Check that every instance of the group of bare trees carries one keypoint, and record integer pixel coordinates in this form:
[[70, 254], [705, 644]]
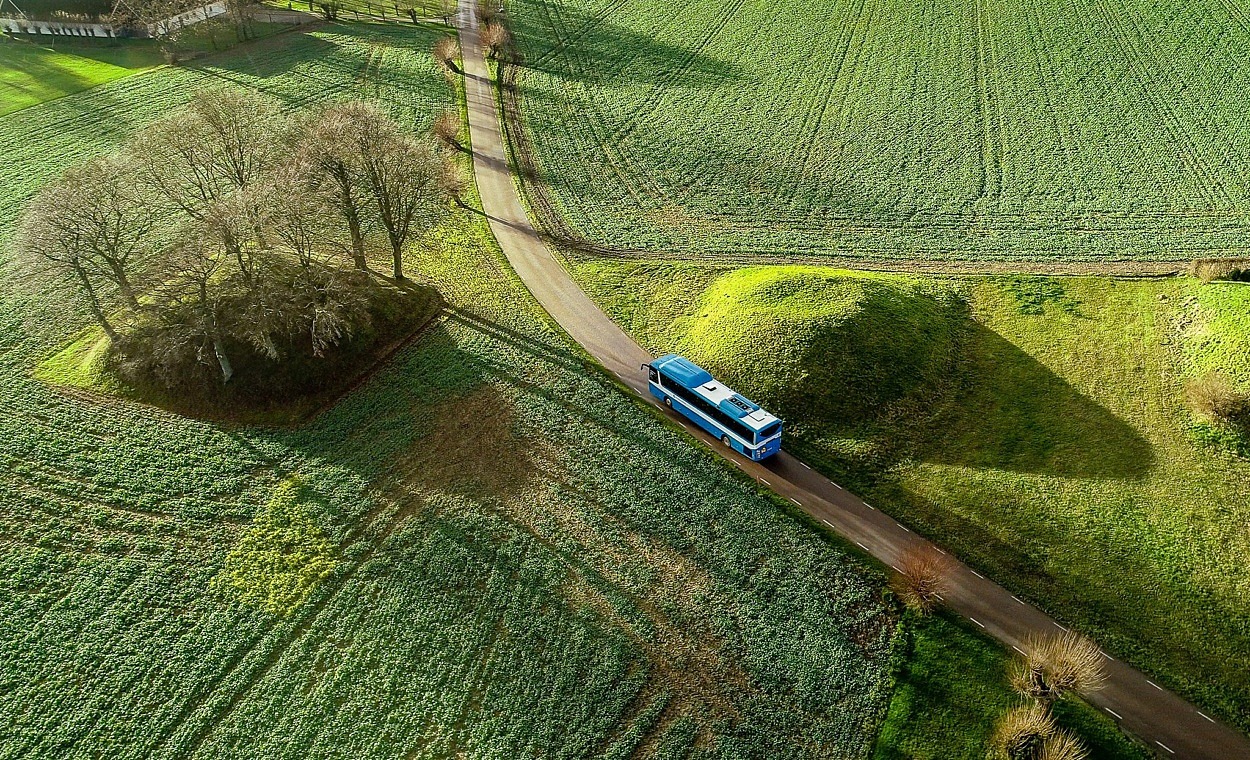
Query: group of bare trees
[[1051, 666], [224, 228]]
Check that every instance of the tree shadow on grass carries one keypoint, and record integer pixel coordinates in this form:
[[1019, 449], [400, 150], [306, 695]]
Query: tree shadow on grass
[[617, 53], [1013, 413]]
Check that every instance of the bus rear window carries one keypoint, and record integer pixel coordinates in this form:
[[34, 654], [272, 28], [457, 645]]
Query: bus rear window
[[769, 431]]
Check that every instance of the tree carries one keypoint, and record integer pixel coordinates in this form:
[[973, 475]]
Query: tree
[[1021, 731], [92, 225], [406, 178], [224, 141], [1029, 732], [447, 128], [446, 51], [329, 144], [329, 9], [922, 576], [1055, 665], [496, 38]]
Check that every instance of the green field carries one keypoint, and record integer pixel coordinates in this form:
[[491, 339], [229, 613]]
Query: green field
[[953, 690], [890, 129], [488, 551], [1042, 435], [31, 74]]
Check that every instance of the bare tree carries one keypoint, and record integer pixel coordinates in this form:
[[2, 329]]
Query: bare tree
[[446, 127], [92, 226], [446, 51], [193, 267], [406, 178], [222, 142], [922, 576], [496, 38], [331, 143], [1055, 665]]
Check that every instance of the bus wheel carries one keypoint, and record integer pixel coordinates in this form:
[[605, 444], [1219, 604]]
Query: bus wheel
[[725, 440], [668, 402]]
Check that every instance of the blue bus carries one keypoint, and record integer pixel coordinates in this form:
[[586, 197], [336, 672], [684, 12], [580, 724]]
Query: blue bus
[[738, 422]]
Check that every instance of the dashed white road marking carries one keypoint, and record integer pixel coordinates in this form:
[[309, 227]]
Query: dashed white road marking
[[1161, 744], [765, 482], [1013, 596], [978, 622], [866, 504], [1060, 627], [826, 522], [1208, 717], [835, 485], [940, 549], [974, 572], [1116, 714], [896, 568], [805, 465], [904, 527], [1018, 649], [796, 501], [1152, 683], [865, 548]]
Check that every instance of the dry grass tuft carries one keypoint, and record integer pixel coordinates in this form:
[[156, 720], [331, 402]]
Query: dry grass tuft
[[1215, 397], [446, 51]]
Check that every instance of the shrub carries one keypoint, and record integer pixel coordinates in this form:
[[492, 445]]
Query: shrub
[[496, 38], [1056, 665], [1215, 397], [447, 128], [922, 576], [446, 51], [1022, 732], [1208, 270]]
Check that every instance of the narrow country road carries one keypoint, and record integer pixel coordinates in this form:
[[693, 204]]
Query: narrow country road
[[1169, 724]]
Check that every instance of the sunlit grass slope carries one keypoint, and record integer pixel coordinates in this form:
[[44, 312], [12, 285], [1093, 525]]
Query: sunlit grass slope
[[31, 74], [1056, 452]]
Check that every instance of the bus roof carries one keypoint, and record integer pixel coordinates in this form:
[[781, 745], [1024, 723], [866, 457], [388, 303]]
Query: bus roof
[[701, 381]]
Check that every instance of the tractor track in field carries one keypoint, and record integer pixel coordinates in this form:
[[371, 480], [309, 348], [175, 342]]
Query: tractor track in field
[[1166, 722]]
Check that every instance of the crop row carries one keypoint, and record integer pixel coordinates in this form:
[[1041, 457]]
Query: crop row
[[1034, 128]]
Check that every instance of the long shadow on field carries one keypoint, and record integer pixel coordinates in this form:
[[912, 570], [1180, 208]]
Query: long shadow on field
[[1013, 413], [611, 53]]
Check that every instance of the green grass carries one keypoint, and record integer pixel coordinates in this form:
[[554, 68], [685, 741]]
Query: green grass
[[1057, 455], [35, 69], [953, 690], [31, 74], [890, 129], [491, 551]]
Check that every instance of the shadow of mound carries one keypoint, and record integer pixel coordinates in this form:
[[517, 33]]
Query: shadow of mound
[[1013, 413]]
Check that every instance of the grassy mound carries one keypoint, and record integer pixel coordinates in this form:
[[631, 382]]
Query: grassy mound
[[821, 346], [263, 390]]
